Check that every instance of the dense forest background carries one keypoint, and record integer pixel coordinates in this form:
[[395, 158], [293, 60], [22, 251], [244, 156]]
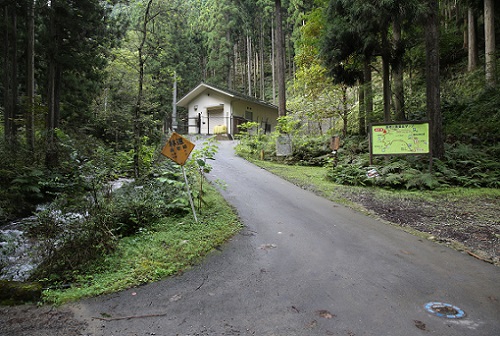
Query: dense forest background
[[88, 91], [89, 85]]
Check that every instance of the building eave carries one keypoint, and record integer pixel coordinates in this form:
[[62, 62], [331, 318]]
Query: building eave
[[184, 101]]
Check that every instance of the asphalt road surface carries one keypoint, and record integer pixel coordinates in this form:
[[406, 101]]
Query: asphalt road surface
[[306, 266]]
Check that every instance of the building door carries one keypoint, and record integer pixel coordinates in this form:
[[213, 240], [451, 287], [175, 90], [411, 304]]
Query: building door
[[215, 118]]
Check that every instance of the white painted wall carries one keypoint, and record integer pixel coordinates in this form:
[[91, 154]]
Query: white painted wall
[[211, 100], [204, 102]]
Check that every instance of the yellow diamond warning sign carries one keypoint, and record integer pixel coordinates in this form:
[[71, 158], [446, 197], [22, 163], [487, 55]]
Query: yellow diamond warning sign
[[178, 149]]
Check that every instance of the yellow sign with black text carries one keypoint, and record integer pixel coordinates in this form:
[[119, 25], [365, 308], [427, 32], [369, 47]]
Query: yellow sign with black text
[[178, 149]]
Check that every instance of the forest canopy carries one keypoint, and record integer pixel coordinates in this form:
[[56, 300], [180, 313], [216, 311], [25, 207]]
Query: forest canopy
[[93, 75]]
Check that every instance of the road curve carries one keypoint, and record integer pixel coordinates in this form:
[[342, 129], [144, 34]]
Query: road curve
[[306, 266]]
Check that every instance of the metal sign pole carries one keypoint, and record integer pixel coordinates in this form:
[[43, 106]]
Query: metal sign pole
[[178, 150], [189, 193]]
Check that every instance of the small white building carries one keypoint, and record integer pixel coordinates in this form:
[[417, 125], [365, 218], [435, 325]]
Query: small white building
[[211, 109]]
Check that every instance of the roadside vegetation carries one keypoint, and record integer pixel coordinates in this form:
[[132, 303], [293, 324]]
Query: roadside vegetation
[[167, 247], [102, 231]]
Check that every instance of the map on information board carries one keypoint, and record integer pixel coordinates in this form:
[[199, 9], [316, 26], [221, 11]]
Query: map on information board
[[400, 138]]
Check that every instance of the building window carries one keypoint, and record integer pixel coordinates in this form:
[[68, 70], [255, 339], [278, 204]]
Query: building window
[[249, 115]]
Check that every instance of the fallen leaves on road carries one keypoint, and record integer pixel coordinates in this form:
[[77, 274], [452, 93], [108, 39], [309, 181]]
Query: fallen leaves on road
[[325, 314], [419, 324], [267, 246]]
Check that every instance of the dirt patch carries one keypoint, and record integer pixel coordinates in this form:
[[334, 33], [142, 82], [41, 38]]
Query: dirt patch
[[471, 225], [30, 320]]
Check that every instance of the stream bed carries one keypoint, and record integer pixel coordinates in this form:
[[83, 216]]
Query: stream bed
[[19, 253]]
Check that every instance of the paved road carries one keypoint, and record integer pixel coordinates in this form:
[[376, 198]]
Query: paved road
[[306, 266]]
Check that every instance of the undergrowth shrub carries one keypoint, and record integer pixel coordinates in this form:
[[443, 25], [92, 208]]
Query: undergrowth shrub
[[310, 150], [471, 119], [463, 165], [72, 241], [353, 174], [252, 141], [468, 166]]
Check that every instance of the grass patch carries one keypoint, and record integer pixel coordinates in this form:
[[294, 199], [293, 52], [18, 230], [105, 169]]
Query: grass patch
[[314, 179], [167, 248]]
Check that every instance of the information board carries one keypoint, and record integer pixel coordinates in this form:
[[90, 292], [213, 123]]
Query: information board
[[178, 148], [400, 138]]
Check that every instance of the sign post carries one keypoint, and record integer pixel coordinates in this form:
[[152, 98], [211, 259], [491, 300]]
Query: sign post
[[189, 193], [178, 150], [334, 146]]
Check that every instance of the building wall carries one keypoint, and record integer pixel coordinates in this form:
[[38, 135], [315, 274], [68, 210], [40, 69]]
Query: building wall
[[223, 108], [256, 113], [204, 103]]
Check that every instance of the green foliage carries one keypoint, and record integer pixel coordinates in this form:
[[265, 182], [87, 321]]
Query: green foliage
[[287, 125], [137, 206], [398, 174], [348, 174], [402, 173], [199, 156], [28, 183], [252, 140], [168, 247], [467, 166], [310, 150], [198, 163], [463, 165], [74, 237], [307, 150], [471, 119]]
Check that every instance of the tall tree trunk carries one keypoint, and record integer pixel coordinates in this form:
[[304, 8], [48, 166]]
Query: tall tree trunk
[[397, 72], [229, 67], [6, 75], [432, 75], [249, 65], [273, 64], [235, 65], [255, 73], [10, 74], [173, 122], [280, 57], [137, 108], [471, 41], [30, 78], [14, 78], [345, 111], [386, 76], [262, 62], [386, 87], [367, 77], [53, 90], [362, 109], [489, 37]]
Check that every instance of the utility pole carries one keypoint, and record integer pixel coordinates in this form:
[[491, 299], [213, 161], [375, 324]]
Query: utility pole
[[174, 104]]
